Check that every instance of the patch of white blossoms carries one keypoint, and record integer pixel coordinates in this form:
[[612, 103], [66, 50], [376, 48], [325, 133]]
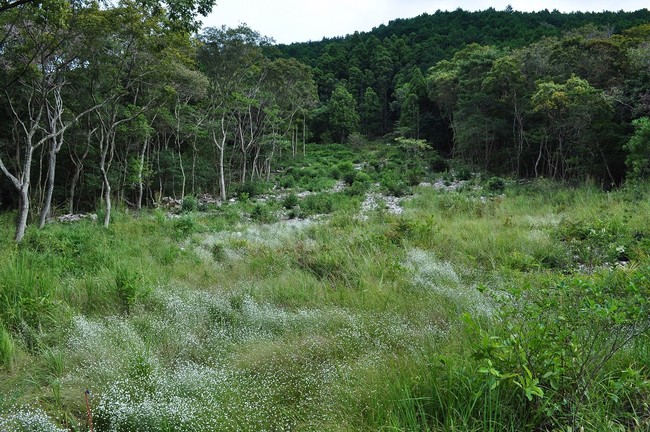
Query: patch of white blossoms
[[28, 420], [428, 272]]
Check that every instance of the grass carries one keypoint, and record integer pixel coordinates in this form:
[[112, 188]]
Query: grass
[[494, 307]]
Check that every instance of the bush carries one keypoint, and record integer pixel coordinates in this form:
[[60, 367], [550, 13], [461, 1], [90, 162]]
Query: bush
[[349, 177], [335, 173], [290, 201], [317, 204], [414, 177], [288, 182], [184, 226], [250, 188], [463, 173], [129, 287], [357, 189], [437, 163], [596, 242], [190, 204], [394, 185], [561, 363], [496, 185], [261, 213], [356, 140]]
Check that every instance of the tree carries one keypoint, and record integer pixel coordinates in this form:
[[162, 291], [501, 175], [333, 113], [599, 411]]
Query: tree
[[234, 63], [371, 112], [37, 65], [638, 149], [570, 109], [294, 91], [182, 13], [506, 84], [382, 67], [342, 113]]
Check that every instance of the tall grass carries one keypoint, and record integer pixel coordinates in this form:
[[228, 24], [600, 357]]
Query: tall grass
[[468, 312]]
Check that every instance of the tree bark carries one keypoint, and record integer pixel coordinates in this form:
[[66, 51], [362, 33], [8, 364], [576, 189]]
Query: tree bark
[[51, 173]]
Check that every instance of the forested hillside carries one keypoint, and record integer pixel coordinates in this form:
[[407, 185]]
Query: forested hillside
[[485, 87], [130, 104]]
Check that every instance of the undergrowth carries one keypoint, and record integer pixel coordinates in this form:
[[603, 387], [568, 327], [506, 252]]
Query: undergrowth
[[485, 305]]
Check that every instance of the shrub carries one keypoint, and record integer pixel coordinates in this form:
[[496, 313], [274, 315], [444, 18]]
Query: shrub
[[218, 252], [496, 185], [356, 140], [394, 185], [250, 188], [437, 163], [463, 173], [349, 177], [357, 189], [595, 242], [261, 213], [190, 204], [184, 226], [290, 201], [128, 287], [335, 173], [288, 182], [414, 177], [561, 362], [317, 204]]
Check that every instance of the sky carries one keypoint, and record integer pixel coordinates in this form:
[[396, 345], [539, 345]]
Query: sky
[[289, 21]]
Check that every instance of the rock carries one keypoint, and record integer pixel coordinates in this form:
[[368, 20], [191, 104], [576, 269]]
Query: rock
[[69, 218]]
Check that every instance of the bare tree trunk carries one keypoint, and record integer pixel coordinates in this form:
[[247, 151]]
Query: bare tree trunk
[[73, 187], [22, 186], [194, 156], [47, 205], [221, 146], [78, 163], [107, 198], [140, 176], [106, 143], [23, 212]]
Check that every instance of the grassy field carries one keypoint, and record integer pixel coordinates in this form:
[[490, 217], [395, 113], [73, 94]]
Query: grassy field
[[317, 304]]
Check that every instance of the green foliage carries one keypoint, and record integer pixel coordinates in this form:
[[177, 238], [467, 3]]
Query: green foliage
[[395, 185], [185, 226], [190, 204], [638, 149], [262, 213], [342, 114], [561, 363], [27, 297], [317, 204], [249, 189], [218, 252], [596, 241], [7, 348], [290, 201], [128, 287], [496, 185]]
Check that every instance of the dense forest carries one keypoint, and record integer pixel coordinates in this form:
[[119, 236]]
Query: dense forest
[[131, 103]]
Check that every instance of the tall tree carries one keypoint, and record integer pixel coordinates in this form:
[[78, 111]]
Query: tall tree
[[342, 113], [569, 109], [231, 59], [37, 61]]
